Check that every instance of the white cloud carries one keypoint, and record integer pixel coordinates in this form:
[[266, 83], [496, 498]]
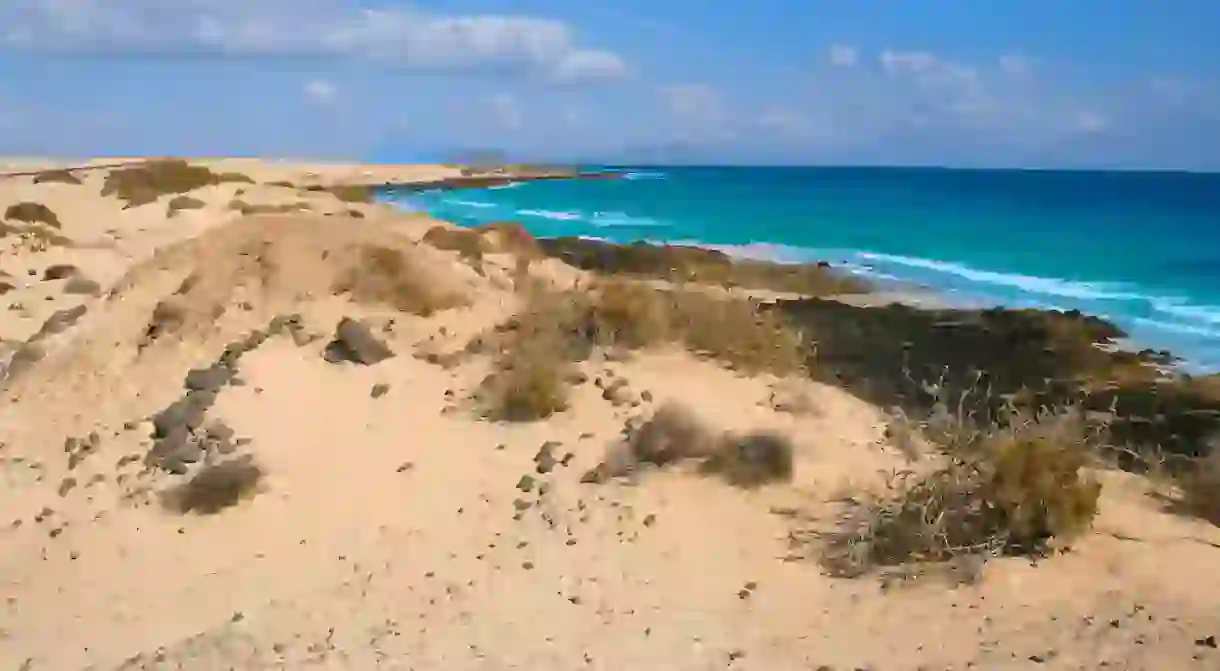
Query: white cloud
[[1015, 65], [843, 55], [1091, 122], [312, 28], [693, 102], [506, 110], [907, 62], [320, 91]]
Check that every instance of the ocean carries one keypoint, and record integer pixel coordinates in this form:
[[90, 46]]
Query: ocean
[[1141, 249]]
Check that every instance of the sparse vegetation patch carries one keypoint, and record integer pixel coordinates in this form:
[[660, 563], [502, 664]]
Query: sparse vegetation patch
[[1018, 487], [141, 184], [56, 177], [32, 213], [215, 487]]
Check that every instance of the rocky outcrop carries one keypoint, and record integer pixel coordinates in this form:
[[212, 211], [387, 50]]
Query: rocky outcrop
[[678, 263], [888, 355]]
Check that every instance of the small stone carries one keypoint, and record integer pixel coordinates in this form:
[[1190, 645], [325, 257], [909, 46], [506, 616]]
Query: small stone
[[650, 519], [545, 458], [59, 271], [379, 390], [354, 342], [404, 467], [528, 566], [1207, 642], [66, 486], [212, 377]]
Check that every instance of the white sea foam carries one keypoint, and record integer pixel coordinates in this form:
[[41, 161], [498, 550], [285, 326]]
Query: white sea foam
[[469, 203], [552, 214], [1029, 283], [622, 219], [637, 175]]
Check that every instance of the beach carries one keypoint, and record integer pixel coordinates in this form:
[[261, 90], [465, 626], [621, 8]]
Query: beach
[[252, 417]]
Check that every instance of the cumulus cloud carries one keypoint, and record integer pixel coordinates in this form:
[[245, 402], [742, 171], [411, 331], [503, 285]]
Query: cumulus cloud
[[311, 28], [320, 91], [843, 55], [907, 62]]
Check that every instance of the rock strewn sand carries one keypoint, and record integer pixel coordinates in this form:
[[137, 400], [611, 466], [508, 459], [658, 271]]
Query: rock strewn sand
[[393, 527]]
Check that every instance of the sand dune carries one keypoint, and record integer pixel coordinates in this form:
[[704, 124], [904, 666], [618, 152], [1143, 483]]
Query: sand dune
[[329, 348]]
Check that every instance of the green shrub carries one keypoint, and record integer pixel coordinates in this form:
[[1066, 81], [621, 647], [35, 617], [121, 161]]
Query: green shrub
[[56, 177], [32, 213], [144, 183]]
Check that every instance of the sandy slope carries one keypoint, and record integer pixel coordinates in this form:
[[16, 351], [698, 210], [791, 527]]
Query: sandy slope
[[391, 531]]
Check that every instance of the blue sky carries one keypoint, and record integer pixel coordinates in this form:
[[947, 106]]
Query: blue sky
[[1085, 83]]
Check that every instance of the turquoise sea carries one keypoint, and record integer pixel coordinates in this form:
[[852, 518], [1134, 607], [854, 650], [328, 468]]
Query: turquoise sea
[[1139, 248]]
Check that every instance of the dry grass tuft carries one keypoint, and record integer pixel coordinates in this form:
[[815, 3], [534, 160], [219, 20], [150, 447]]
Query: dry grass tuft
[[145, 183], [528, 384], [635, 315], [739, 333], [32, 213], [672, 434], [180, 203], [1019, 488], [233, 178], [245, 208], [56, 177], [217, 487], [348, 194], [467, 243], [1200, 486], [385, 275], [753, 459]]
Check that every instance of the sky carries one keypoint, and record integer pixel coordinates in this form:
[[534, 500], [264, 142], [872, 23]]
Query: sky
[[969, 83]]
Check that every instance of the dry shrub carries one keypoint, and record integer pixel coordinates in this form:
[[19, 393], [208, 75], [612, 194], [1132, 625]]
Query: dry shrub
[[528, 384], [216, 487], [739, 333], [467, 243], [1200, 486], [672, 434], [245, 208], [145, 183], [753, 459], [349, 194], [385, 275], [32, 213], [56, 177], [180, 203], [1017, 489], [233, 178], [283, 183], [634, 315], [630, 314]]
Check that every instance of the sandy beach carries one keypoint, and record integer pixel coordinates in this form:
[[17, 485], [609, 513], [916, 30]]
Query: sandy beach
[[265, 422]]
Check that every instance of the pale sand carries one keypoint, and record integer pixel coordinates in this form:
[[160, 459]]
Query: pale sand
[[385, 535]]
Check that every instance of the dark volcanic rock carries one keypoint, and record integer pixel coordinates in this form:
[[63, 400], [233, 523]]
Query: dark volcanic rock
[[60, 271], [59, 322], [354, 342], [213, 377], [1037, 357], [697, 264], [188, 411]]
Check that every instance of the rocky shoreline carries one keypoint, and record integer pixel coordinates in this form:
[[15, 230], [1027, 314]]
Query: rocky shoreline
[[890, 354]]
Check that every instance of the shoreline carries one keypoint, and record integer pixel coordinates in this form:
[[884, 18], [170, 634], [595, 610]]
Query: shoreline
[[920, 294], [251, 418]]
